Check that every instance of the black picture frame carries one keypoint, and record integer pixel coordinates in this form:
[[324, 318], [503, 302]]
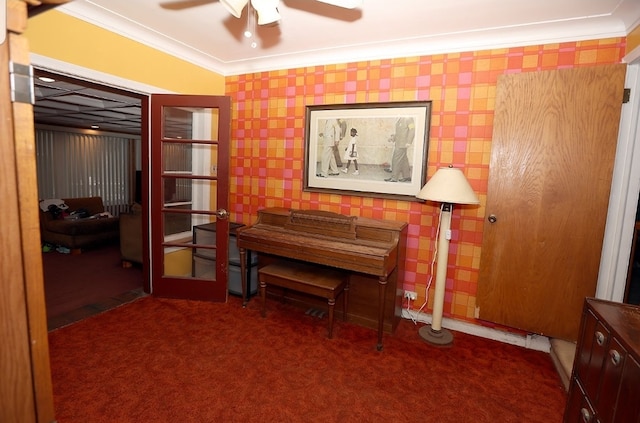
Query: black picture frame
[[377, 151]]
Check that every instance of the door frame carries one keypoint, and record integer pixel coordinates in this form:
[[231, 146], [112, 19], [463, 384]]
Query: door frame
[[625, 186]]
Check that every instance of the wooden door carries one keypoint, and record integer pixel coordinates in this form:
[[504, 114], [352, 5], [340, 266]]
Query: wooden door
[[26, 393], [189, 187], [552, 157]]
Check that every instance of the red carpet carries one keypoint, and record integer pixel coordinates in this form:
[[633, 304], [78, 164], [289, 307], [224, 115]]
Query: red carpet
[[158, 360]]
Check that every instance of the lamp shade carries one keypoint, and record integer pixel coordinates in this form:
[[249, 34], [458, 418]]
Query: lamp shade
[[448, 185], [234, 6]]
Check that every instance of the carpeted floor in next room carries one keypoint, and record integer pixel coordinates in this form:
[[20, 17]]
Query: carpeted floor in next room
[[163, 360], [78, 286]]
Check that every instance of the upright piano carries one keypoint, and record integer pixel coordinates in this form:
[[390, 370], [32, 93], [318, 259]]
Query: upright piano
[[371, 250]]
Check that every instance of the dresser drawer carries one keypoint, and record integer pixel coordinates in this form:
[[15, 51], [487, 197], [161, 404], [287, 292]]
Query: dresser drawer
[[591, 356], [628, 406], [605, 383], [579, 409], [610, 381]]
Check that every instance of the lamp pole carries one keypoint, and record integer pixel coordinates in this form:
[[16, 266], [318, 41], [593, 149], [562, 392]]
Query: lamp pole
[[448, 186], [434, 333]]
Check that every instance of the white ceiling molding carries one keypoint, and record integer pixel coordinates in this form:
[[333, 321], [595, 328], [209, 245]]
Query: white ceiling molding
[[205, 35], [441, 44]]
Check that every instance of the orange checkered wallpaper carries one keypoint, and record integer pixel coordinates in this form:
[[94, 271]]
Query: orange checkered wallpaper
[[268, 142]]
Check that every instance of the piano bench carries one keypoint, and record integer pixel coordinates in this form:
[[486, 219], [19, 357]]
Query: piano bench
[[315, 280]]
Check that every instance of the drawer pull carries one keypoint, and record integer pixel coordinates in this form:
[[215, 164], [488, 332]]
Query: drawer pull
[[615, 357], [599, 338], [586, 415]]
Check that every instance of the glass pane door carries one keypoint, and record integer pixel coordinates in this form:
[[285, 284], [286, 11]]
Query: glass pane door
[[189, 196]]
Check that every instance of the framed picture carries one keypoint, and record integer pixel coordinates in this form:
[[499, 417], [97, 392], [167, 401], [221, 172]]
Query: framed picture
[[369, 149]]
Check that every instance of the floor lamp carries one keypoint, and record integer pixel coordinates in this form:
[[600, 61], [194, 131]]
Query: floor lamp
[[447, 186]]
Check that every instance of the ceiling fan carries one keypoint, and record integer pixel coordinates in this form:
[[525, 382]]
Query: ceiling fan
[[267, 10]]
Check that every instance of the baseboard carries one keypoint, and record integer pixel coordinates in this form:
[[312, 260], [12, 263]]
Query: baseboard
[[530, 341]]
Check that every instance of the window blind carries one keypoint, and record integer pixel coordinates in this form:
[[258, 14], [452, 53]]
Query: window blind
[[74, 164]]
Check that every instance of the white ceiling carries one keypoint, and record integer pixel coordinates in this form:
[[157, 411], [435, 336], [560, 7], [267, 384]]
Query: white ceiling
[[313, 33]]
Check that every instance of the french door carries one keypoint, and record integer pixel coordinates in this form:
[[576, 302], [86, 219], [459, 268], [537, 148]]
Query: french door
[[189, 186]]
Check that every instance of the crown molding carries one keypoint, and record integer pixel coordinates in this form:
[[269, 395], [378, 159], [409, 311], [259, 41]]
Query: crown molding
[[593, 27]]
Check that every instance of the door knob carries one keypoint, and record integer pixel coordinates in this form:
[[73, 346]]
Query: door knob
[[222, 214], [492, 218]]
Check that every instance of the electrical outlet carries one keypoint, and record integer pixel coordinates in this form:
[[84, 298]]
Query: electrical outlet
[[410, 295]]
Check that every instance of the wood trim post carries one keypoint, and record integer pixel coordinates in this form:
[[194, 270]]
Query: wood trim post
[[26, 393]]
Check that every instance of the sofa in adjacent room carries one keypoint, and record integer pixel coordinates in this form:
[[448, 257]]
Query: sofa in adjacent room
[[94, 226]]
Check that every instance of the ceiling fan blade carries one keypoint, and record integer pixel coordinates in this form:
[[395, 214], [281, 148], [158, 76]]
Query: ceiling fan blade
[[347, 4], [184, 4]]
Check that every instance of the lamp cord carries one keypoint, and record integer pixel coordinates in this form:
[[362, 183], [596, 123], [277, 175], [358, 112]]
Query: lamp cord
[[435, 256]]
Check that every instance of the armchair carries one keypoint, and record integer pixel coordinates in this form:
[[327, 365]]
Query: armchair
[[131, 236]]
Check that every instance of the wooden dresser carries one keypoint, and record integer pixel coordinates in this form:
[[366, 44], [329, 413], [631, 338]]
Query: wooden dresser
[[605, 382]]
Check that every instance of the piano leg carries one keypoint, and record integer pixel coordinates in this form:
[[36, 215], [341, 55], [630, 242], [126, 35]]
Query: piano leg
[[382, 298], [243, 275]]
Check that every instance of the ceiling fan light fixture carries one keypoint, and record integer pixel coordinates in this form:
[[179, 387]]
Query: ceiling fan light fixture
[[234, 7], [270, 17], [267, 11]]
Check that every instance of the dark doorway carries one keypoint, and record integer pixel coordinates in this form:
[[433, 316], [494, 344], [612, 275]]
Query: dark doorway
[[63, 102]]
